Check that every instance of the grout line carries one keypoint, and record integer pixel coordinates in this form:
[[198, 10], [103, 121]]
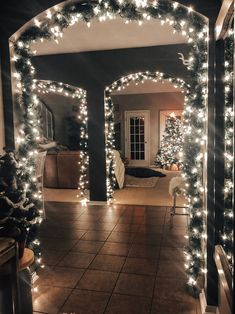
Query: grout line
[[112, 292]]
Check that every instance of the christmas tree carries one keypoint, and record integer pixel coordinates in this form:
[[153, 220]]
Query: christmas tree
[[171, 144], [19, 217]]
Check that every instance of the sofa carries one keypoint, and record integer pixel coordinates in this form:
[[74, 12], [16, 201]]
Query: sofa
[[61, 170]]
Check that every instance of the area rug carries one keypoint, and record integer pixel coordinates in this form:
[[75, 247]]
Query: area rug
[[135, 182], [157, 196]]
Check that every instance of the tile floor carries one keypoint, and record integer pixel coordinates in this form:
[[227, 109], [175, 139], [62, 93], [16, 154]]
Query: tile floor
[[112, 259]]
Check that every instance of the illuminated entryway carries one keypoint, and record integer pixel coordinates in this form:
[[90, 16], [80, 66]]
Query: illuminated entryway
[[183, 20]]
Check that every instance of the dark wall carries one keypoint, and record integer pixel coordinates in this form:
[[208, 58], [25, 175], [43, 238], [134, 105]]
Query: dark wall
[[101, 68], [93, 71], [62, 109]]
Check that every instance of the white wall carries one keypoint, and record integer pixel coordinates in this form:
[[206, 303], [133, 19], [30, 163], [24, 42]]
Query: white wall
[[2, 131], [154, 103]]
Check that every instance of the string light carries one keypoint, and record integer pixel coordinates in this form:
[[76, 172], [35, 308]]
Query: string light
[[79, 94], [227, 232], [188, 23]]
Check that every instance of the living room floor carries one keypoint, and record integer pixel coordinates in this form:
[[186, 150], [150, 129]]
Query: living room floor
[[112, 259]]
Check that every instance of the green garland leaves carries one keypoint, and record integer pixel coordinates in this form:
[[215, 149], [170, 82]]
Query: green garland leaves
[[228, 232]]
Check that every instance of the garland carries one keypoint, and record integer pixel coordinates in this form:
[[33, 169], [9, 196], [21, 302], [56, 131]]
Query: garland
[[80, 95], [183, 20], [227, 234], [121, 84]]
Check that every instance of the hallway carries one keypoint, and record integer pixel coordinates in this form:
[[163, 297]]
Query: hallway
[[112, 259]]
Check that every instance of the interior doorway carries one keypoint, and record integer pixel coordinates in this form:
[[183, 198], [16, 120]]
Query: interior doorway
[[137, 137]]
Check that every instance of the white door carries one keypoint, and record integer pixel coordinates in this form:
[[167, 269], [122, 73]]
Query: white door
[[137, 137]]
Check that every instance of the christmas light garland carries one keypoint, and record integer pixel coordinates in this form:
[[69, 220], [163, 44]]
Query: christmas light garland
[[121, 84], [79, 94], [227, 233], [184, 21]]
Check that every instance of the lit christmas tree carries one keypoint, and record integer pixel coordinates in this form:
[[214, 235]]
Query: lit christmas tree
[[171, 144]]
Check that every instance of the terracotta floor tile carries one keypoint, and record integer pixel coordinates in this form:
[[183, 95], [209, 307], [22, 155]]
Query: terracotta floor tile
[[65, 233], [154, 221], [179, 221], [148, 239], [144, 251], [57, 245], [52, 257], [84, 225], [175, 231], [75, 259], [188, 308], [174, 242], [113, 248], [86, 302], [108, 263], [127, 227], [60, 276], [151, 228], [96, 235], [88, 246], [126, 304], [138, 285], [121, 237], [105, 226], [156, 215], [88, 218], [98, 280], [140, 266], [132, 220], [166, 307], [171, 269], [50, 299], [109, 219], [166, 253]]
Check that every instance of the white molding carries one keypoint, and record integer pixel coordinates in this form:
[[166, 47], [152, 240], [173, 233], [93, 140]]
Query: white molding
[[223, 19], [98, 203], [207, 309]]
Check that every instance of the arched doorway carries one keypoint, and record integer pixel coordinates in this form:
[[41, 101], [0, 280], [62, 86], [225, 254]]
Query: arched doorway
[[182, 19], [77, 134], [121, 84]]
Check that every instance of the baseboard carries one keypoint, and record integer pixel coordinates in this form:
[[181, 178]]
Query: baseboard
[[207, 309], [101, 203]]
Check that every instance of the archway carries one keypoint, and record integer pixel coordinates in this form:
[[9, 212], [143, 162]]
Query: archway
[[45, 87], [183, 20], [121, 84]]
